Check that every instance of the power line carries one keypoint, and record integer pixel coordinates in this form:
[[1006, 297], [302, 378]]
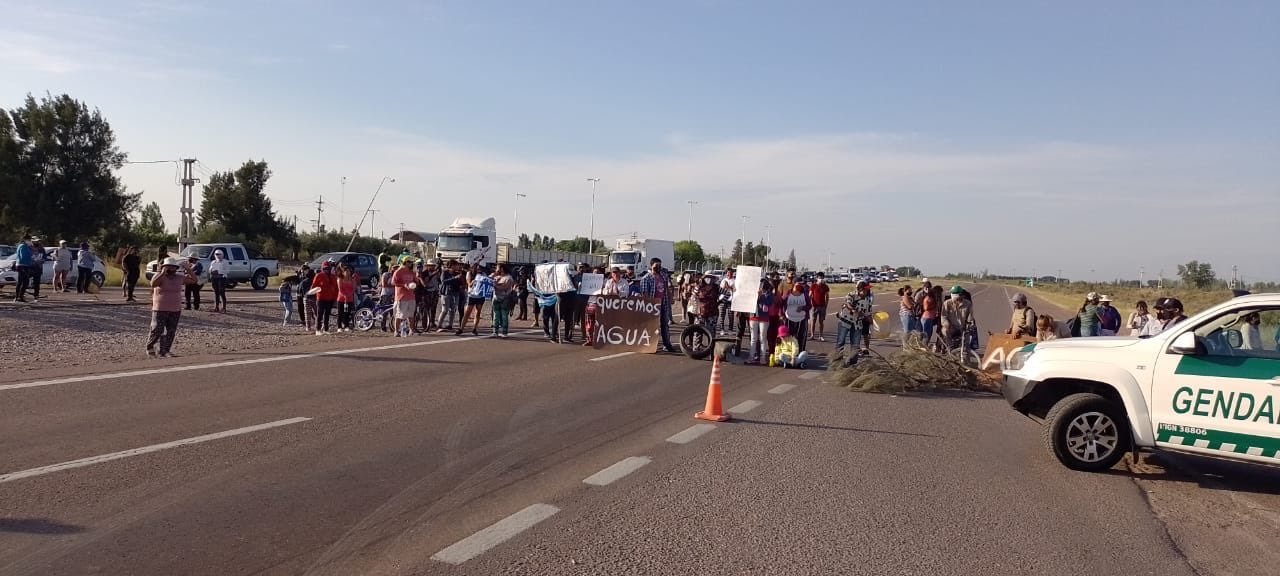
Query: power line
[[151, 162]]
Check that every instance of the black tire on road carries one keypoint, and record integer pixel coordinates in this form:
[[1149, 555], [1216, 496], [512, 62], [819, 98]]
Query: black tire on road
[[697, 342], [1087, 432], [259, 280]]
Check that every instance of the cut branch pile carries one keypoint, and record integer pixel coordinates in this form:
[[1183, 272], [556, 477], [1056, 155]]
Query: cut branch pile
[[908, 370]]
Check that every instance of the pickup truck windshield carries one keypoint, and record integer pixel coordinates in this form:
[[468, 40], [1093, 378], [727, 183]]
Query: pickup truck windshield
[[455, 243]]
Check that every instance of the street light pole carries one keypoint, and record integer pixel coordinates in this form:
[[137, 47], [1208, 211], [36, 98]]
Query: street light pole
[[591, 235], [742, 254], [768, 244], [356, 231], [516, 218], [342, 203], [691, 203]]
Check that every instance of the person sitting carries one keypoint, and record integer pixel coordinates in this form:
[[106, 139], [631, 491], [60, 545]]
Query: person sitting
[[1046, 328], [788, 354]]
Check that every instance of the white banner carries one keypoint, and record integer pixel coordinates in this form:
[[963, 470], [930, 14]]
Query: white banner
[[591, 284], [553, 277], [746, 289]]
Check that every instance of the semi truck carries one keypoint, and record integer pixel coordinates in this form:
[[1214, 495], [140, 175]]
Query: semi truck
[[508, 254], [634, 254], [475, 241]]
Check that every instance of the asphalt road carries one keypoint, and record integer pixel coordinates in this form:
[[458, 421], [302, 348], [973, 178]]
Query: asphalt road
[[468, 456]]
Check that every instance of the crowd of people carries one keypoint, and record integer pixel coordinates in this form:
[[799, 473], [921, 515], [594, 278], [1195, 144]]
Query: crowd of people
[[31, 256]]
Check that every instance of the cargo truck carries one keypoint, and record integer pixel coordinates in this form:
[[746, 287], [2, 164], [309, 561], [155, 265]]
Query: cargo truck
[[634, 254]]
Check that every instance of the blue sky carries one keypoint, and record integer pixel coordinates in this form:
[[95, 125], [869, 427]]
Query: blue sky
[[1089, 137]]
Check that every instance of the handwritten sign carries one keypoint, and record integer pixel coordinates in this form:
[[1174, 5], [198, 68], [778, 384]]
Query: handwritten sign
[[591, 284], [746, 289], [631, 324], [553, 277]]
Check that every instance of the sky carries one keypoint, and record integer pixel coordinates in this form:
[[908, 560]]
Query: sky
[[1095, 140]]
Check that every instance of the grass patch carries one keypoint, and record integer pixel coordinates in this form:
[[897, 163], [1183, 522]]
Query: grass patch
[[1070, 296]]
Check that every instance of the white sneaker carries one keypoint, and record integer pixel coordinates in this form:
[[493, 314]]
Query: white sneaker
[[319, 333]]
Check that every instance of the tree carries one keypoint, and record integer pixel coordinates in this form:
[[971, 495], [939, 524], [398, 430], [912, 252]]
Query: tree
[[57, 163], [523, 241], [150, 229], [791, 260], [236, 203], [736, 255], [908, 271], [1197, 274], [689, 251], [536, 242]]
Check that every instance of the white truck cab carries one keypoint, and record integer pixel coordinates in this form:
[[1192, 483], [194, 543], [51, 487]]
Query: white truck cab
[[1207, 385]]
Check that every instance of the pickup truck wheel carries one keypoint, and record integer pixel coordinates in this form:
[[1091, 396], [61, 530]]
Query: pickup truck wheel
[[259, 280], [1087, 432]]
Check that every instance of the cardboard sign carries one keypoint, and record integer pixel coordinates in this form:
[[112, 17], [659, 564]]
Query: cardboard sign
[[999, 347], [553, 277], [627, 324], [591, 284], [746, 291]]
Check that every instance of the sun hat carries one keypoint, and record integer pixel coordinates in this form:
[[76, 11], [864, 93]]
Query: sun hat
[[172, 261], [1104, 298], [783, 331]]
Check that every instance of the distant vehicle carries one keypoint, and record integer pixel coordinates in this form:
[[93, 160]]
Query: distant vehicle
[[842, 278], [7, 251], [475, 241], [8, 275], [524, 257], [634, 255], [247, 265], [366, 265]]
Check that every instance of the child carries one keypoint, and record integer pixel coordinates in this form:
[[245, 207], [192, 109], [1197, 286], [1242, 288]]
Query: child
[[589, 322], [1046, 328], [788, 353], [286, 298]]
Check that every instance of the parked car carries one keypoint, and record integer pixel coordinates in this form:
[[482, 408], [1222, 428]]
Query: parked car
[[9, 276], [7, 251], [1206, 385], [366, 265], [247, 265]]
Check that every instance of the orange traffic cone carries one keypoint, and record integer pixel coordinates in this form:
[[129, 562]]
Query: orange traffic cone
[[713, 411]]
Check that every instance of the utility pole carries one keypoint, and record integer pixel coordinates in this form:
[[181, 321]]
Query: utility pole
[[1235, 276], [591, 235], [187, 227], [516, 218], [691, 203], [402, 233], [319, 214], [373, 215], [342, 203], [1142, 276]]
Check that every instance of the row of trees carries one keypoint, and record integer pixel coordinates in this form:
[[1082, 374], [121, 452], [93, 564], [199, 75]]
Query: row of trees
[[578, 244]]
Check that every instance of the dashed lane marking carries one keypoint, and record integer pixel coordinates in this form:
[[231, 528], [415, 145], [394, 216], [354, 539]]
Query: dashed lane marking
[[617, 471], [144, 450], [745, 406], [611, 356], [782, 388], [691, 433], [501, 531]]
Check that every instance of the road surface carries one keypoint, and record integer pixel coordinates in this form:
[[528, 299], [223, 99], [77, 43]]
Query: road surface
[[444, 455]]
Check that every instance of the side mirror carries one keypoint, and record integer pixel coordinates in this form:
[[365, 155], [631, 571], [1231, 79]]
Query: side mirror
[[1186, 344]]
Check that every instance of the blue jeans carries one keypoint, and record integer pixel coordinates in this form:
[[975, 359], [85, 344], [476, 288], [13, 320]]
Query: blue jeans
[[664, 326], [930, 324]]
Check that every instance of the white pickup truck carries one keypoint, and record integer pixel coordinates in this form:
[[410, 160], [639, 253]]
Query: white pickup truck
[[246, 264], [1207, 385]]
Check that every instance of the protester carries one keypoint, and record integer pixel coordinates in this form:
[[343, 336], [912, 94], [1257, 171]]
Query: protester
[[788, 353], [166, 305], [849, 330], [481, 290], [617, 284], [429, 281], [1046, 328], [1108, 317], [62, 266], [707, 300], [38, 258], [85, 261], [657, 284], [404, 280], [930, 313], [504, 300], [346, 298], [522, 295], [326, 296], [906, 312], [957, 313], [196, 268], [819, 297], [452, 291], [546, 309], [776, 310], [386, 292], [580, 300], [219, 272], [306, 304], [1168, 314], [759, 322], [688, 281], [725, 300], [286, 298], [1023, 321], [23, 260], [132, 265], [865, 301], [796, 313], [1138, 318], [926, 288], [1087, 319]]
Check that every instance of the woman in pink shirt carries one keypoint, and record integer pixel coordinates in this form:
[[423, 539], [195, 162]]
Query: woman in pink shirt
[[346, 298], [167, 289]]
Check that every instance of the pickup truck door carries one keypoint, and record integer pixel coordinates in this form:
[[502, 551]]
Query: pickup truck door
[[239, 263], [1224, 399]]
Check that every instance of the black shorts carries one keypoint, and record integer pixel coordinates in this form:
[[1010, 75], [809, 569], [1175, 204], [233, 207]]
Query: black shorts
[[475, 301]]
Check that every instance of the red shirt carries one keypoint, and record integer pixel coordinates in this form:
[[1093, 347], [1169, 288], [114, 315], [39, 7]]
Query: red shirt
[[346, 290], [401, 279], [328, 285], [819, 293]]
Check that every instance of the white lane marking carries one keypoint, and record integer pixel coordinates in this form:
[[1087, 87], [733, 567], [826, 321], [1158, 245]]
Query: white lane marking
[[501, 531], [691, 433], [782, 388], [611, 356], [145, 450], [617, 471], [745, 406], [190, 367], [809, 375]]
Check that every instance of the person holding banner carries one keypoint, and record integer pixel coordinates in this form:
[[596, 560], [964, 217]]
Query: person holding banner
[[760, 324], [481, 290], [617, 284], [657, 284], [546, 309]]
